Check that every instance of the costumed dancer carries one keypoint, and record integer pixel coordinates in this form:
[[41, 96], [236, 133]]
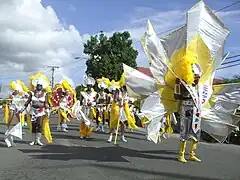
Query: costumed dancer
[[15, 104], [117, 115], [101, 103], [190, 115], [39, 105], [130, 121], [88, 107], [63, 98], [188, 62], [120, 111]]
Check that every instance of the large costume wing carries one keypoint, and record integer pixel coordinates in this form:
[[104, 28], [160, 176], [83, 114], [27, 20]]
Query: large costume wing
[[219, 118], [159, 52], [138, 84], [154, 111]]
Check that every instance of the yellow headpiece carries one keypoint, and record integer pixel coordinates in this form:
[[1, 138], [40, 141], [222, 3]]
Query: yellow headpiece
[[39, 78]]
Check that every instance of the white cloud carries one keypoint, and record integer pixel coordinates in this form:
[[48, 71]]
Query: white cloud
[[33, 37]]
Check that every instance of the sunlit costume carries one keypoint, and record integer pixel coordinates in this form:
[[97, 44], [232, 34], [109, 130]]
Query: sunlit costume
[[166, 128], [174, 60], [63, 98], [88, 107], [16, 103], [101, 103], [190, 115], [39, 108], [109, 104], [119, 111]]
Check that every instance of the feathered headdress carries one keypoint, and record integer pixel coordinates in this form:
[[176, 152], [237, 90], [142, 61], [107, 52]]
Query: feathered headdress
[[87, 80], [41, 79], [15, 86], [114, 85], [103, 82]]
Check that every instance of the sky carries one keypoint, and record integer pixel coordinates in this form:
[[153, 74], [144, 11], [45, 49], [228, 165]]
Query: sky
[[37, 33]]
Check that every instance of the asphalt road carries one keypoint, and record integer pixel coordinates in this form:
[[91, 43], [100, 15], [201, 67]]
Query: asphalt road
[[70, 158]]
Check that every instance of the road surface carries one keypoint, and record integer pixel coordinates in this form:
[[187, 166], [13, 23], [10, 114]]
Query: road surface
[[70, 158]]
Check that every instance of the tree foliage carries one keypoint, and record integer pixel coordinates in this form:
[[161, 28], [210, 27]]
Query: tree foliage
[[78, 90], [108, 54], [235, 79]]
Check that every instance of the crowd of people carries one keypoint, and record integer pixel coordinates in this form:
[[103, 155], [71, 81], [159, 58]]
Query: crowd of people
[[109, 104]]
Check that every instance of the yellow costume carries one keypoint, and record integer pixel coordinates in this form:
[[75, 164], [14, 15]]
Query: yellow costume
[[63, 98], [38, 100], [88, 94]]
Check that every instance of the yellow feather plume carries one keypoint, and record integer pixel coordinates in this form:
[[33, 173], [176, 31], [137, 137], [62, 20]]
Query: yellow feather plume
[[25, 89], [122, 80], [184, 67]]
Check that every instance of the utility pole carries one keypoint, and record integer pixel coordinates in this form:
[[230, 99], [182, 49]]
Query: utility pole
[[53, 71]]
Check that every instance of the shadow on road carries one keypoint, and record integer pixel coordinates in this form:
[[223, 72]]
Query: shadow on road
[[101, 154], [71, 137], [151, 172]]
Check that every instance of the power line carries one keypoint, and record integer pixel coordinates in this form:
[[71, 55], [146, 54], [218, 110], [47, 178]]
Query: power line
[[225, 7], [228, 66], [230, 62], [233, 56]]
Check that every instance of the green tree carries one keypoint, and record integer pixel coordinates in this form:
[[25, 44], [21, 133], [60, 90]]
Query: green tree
[[78, 90], [108, 54], [235, 79]]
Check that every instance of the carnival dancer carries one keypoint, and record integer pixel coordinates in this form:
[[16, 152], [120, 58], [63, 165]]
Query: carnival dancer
[[63, 98], [15, 104], [130, 121], [189, 113], [101, 103], [119, 112], [16, 101], [39, 105], [88, 106], [65, 110], [117, 115], [172, 58]]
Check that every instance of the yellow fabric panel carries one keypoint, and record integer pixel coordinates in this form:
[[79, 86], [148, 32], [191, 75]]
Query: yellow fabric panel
[[64, 114], [114, 115], [6, 114], [168, 100], [130, 118], [46, 130], [22, 118], [85, 131], [200, 49], [218, 88], [29, 122]]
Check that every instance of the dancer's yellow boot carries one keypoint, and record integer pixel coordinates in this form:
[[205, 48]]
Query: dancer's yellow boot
[[193, 147], [182, 150]]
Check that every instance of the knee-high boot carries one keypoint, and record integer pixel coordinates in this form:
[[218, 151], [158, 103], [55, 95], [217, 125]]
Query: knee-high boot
[[193, 148], [38, 139], [33, 139], [182, 150]]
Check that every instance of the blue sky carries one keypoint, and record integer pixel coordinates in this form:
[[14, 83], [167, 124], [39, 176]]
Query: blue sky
[[92, 16]]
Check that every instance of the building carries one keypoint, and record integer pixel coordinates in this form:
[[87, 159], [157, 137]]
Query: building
[[147, 72]]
